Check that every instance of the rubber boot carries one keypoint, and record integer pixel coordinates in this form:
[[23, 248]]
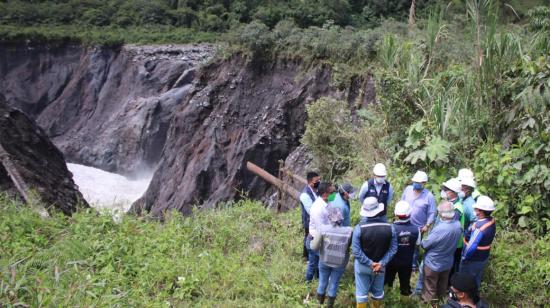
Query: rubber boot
[[361, 305], [321, 298], [330, 302], [376, 304]]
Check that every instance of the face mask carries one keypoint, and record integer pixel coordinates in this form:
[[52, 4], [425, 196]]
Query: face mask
[[461, 194], [331, 197], [316, 184], [417, 186], [443, 195], [380, 180]]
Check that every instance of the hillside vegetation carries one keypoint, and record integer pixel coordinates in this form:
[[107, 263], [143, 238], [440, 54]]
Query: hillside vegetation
[[238, 255]]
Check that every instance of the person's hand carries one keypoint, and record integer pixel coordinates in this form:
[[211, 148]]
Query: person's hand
[[424, 229], [373, 266], [378, 267]]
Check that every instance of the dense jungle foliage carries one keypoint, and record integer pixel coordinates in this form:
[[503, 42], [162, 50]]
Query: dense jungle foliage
[[240, 255]]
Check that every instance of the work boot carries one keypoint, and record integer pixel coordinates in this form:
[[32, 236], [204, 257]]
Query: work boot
[[361, 305], [330, 302], [376, 304], [321, 298]]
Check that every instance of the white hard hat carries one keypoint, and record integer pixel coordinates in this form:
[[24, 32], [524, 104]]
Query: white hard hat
[[484, 203], [379, 170], [454, 185], [465, 173], [402, 208], [468, 182], [420, 177]]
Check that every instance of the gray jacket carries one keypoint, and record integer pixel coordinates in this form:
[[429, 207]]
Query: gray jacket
[[333, 243]]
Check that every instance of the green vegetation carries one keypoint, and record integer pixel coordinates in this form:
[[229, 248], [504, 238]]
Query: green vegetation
[[450, 99], [238, 255]]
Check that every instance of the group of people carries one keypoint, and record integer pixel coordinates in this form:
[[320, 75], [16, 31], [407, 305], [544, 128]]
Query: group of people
[[454, 236]]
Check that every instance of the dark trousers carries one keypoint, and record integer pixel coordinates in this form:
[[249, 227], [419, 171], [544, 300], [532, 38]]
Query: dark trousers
[[456, 263], [305, 253], [404, 273], [435, 284]]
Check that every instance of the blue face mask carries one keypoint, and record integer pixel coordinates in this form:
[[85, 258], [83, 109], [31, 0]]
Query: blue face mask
[[417, 186]]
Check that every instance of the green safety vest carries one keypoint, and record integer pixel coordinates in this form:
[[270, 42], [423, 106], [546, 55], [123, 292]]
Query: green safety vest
[[458, 206]]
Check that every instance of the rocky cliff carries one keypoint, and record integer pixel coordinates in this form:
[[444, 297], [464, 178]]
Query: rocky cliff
[[103, 107], [31, 164], [169, 109]]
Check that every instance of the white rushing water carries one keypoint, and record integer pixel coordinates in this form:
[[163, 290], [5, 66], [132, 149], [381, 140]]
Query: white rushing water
[[107, 191]]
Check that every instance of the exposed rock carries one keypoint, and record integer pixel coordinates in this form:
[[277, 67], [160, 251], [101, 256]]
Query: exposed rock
[[30, 162], [223, 123], [103, 107]]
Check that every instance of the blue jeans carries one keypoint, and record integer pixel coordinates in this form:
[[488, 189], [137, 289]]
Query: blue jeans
[[368, 281], [420, 281], [312, 261], [329, 276], [475, 268]]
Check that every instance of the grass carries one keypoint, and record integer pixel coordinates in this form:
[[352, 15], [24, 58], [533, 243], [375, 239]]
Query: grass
[[239, 255]]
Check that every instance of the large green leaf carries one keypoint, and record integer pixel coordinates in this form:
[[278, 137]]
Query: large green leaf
[[438, 150]]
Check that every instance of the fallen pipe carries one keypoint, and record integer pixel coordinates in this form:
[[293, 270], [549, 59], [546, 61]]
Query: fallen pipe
[[293, 193], [297, 178]]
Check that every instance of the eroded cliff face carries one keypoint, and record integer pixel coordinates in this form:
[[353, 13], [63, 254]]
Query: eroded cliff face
[[31, 166], [103, 107], [137, 108], [238, 111]]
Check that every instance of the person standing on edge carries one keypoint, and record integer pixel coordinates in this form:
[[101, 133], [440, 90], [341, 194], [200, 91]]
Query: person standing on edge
[[423, 206], [468, 187], [478, 239], [307, 197], [318, 217], [449, 192], [341, 201], [440, 246], [374, 243], [379, 188], [463, 293], [333, 241], [408, 237]]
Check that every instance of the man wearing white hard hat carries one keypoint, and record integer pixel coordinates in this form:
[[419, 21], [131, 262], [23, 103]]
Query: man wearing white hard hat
[[467, 173], [450, 191], [379, 188], [423, 206], [408, 238], [478, 239], [468, 187], [373, 245]]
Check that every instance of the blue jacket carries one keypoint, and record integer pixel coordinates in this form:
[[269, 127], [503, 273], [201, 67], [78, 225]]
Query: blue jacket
[[440, 245], [343, 205], [478, 239]]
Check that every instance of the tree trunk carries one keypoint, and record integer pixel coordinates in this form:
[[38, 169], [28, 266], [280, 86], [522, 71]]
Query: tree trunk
[[412, 15]]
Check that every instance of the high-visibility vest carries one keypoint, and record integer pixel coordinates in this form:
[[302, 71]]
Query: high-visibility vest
[[481, 229], [458, 206]]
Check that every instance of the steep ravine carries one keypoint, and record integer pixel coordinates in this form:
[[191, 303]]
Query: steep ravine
[[138, 108], [103, 107]]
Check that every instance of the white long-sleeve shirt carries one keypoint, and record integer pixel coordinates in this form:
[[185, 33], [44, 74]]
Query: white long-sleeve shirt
[[318, 215]]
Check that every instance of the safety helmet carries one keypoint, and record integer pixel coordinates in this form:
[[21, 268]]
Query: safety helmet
[[420, 177], [402, 208], [465, 173], [484, 203], [468, 182], [454, 185], [379, 170]]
